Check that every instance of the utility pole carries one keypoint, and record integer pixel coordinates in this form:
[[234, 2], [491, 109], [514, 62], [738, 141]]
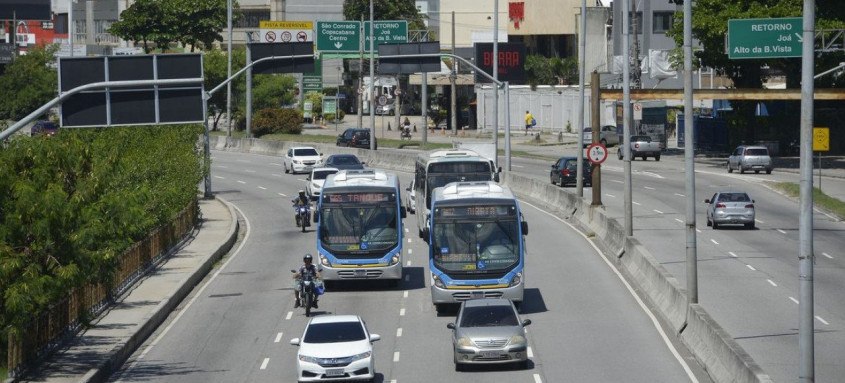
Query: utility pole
[[626, 124], [361, 77], [496, 81], [636, 81], [452, 77], [372, 82], [582, 57], [229, 68], [689, 163]]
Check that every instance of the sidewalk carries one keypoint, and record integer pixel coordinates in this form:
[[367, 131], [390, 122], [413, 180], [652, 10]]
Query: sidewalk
[[92, 356]]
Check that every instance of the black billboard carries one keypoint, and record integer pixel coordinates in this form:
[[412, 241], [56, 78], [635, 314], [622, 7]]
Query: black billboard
[[291, 65], [25, 10], [408, 64], [511, 62], [132, 105]]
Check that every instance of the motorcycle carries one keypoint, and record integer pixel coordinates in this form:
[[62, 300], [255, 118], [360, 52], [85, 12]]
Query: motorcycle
[[406, 133], [302, 215], [309, 288]]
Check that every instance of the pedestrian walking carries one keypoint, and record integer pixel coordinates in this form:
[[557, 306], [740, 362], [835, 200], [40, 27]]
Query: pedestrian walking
[[529, 121]]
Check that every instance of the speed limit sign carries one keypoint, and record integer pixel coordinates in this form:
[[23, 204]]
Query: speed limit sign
[[596, 153]]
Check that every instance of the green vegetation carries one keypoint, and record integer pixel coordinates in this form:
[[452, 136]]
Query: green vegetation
[[72, 203], [163, 22], [551, 71], [28, 83], [820, 200], [277, 120]]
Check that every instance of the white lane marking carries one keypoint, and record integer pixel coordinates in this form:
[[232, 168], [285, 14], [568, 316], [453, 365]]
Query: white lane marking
[[648, 188], [409, 240], [732, 254], [751, 267], [249, 171], [241, 182], [399, 332], [407, 231], [262, 188], [273, 163], [278, 338], [822, 320], [401, 312], [827, 255], [408, 263], [396, 356], [771, 282], [517, 166], [290, 315], [199, 292], [636, 203], [220, 178], [657, 211], [794, 300], [758, 221], [407, 278], [639, 301], [781, 231], [617, 181], [301, 179], [679, 220], [264, 363], [655, 175], [282, 194], [410, 251], [680, 195], [610, 195], [530, 352], [405, 294], [276, 175], [714, 241], [698, 230]]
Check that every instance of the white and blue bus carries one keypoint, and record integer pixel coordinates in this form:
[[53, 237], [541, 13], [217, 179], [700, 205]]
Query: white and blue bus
[[476, 243], [438, 168], [359, 231]]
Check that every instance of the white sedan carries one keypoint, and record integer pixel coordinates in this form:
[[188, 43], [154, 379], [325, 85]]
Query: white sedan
[[336, 348], [302, 159], [316, 180]]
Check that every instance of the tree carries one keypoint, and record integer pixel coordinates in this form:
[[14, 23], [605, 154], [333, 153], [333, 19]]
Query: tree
[[201, 21], [384, 10], [144, 21], [542, 70], [30, 82], [273, 91], [215, 67]]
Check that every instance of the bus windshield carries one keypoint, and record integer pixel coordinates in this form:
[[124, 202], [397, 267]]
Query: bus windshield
[[358, 229], [473, 245], [438, 180]]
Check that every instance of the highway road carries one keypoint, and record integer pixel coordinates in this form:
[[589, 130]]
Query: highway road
[[748, 279], [588, 326]]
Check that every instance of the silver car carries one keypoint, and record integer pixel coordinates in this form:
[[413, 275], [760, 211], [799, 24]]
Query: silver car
[[489, 331], [747, 158], [412, 198], [730, 208]]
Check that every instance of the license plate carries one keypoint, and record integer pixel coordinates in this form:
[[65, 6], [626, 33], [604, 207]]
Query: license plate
[[360, 273], [334, 372], [489, 354], [477, 294]]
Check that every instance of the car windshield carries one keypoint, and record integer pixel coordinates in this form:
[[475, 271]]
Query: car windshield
[[322, 174], [334, 332], [757, 152], [487, 316], [734, 197], [344, 160], [305, 152]]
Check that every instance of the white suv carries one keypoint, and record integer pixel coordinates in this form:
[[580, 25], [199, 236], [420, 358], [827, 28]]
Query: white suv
[[302, 159]]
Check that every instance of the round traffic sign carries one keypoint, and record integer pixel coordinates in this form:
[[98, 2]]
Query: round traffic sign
[[382, 100], [270, 36], [286, 36], [596, 153], [302, 36]]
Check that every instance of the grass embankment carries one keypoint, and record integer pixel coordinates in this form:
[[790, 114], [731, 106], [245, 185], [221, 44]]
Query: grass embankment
[[820, 200]]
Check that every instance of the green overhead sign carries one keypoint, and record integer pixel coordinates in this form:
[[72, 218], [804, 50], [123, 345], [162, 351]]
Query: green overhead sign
[[764, 38], [391, 31], [338, 36]]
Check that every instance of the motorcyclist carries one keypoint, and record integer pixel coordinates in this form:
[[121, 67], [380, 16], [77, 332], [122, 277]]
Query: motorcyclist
[[310, 269], [300, 200], [406, 128]]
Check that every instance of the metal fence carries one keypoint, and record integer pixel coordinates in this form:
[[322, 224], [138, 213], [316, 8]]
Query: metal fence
[[49, 329]]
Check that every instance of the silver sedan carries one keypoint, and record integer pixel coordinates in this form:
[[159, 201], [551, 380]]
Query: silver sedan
[[730, 208], [489, 331]]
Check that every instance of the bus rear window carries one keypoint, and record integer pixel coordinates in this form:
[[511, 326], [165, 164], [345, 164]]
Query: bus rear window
[[459, 167]]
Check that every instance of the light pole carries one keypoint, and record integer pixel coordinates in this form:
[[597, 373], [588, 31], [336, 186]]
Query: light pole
[[372, 82], [229, 68]]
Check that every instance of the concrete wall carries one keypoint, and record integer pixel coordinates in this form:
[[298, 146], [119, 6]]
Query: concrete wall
[[715, 349], [471, 17], [546, 17]]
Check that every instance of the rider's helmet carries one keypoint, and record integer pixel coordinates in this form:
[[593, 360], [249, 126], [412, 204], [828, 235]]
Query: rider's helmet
[[307, 258], [302, 193]]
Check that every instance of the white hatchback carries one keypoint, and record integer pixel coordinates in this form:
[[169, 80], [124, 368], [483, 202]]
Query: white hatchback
[[335, 348], [302, 159], [316, 180]]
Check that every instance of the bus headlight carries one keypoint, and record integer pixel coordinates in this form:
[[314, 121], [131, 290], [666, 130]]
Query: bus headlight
[[394, 259], [516, 280], [438, 282], [325, 261]]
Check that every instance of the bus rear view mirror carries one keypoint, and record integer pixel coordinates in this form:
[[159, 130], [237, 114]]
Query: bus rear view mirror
[[403, 212], [317, 217], [524, 227], [425, 234]]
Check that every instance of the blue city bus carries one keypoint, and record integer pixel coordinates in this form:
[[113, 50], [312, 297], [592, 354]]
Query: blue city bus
[[476, 243], [359, 231]]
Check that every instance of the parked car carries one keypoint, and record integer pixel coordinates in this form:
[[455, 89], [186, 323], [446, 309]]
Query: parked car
[[607, 136], [489, 331], [730, 208], [302, 159], [355, 138], [316, 180], [344, 162], [411, 203], [565, 171], [388, 109], [44, 127], [336, 348], [746, 158], [642, 146]]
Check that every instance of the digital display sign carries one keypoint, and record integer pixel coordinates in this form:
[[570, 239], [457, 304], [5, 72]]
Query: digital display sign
[[511, 62], [476, 211], [372, 197]]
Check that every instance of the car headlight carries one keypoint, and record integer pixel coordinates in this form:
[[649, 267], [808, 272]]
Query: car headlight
[[465, 342], [296, 162], [315, 186], [516, 280], [309, 359], [360, 356], [438, 282], [394, 259], [325, 261], [517, 340]]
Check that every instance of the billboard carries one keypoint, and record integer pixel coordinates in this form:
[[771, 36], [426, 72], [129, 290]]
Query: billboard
[[409, 63], [25, 10], [511, 62]]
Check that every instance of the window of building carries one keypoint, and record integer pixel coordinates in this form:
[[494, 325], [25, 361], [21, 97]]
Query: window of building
[[250, 18], [662, 21]]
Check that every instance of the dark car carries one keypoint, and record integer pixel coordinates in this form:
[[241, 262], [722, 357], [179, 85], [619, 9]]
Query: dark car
[[343, 162], [47, 128], [355, 138], [565, 170]]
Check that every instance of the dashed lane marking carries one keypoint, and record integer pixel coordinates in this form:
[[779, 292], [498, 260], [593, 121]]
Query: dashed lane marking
[[273, 163], [681, 221], [241, 182], [827, 255], [794, 300], [636, 203], [648, 188], [530, 352], [657, 211], [610, 195], [409, 240], [264, 363], [781, 231], [401, 312], [410, 251], [771, 282], [278, 338], [396, 356], [822, 320], [290, 314], [537, 378], [399, 332], [758, 221], [680, 195], [751, 267], [405, 294], [220, 178], [262, 188], [282, 194], [407, 231], [276, 175], [249, 171], [408, 263], [714, 241], [698, 230], [732, 254]]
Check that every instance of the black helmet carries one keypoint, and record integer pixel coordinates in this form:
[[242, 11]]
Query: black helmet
[[302, 192], [308, 257]]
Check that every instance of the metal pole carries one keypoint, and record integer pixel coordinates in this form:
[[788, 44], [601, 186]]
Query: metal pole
[[496, 79], [595, 116], [206, 146], [70, 29], [452, 77], [689, 162], [248, 92], [507, 127], [372, 82], [626, 123], [361, 77], [89, 23], [806, 341], [424, 103], [229, 68], [582, 57]]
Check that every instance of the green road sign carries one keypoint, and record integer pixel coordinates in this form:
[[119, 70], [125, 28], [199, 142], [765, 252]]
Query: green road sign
[[764, 38], [386, 31], [312, 83], [329, 105], [338, 36]]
